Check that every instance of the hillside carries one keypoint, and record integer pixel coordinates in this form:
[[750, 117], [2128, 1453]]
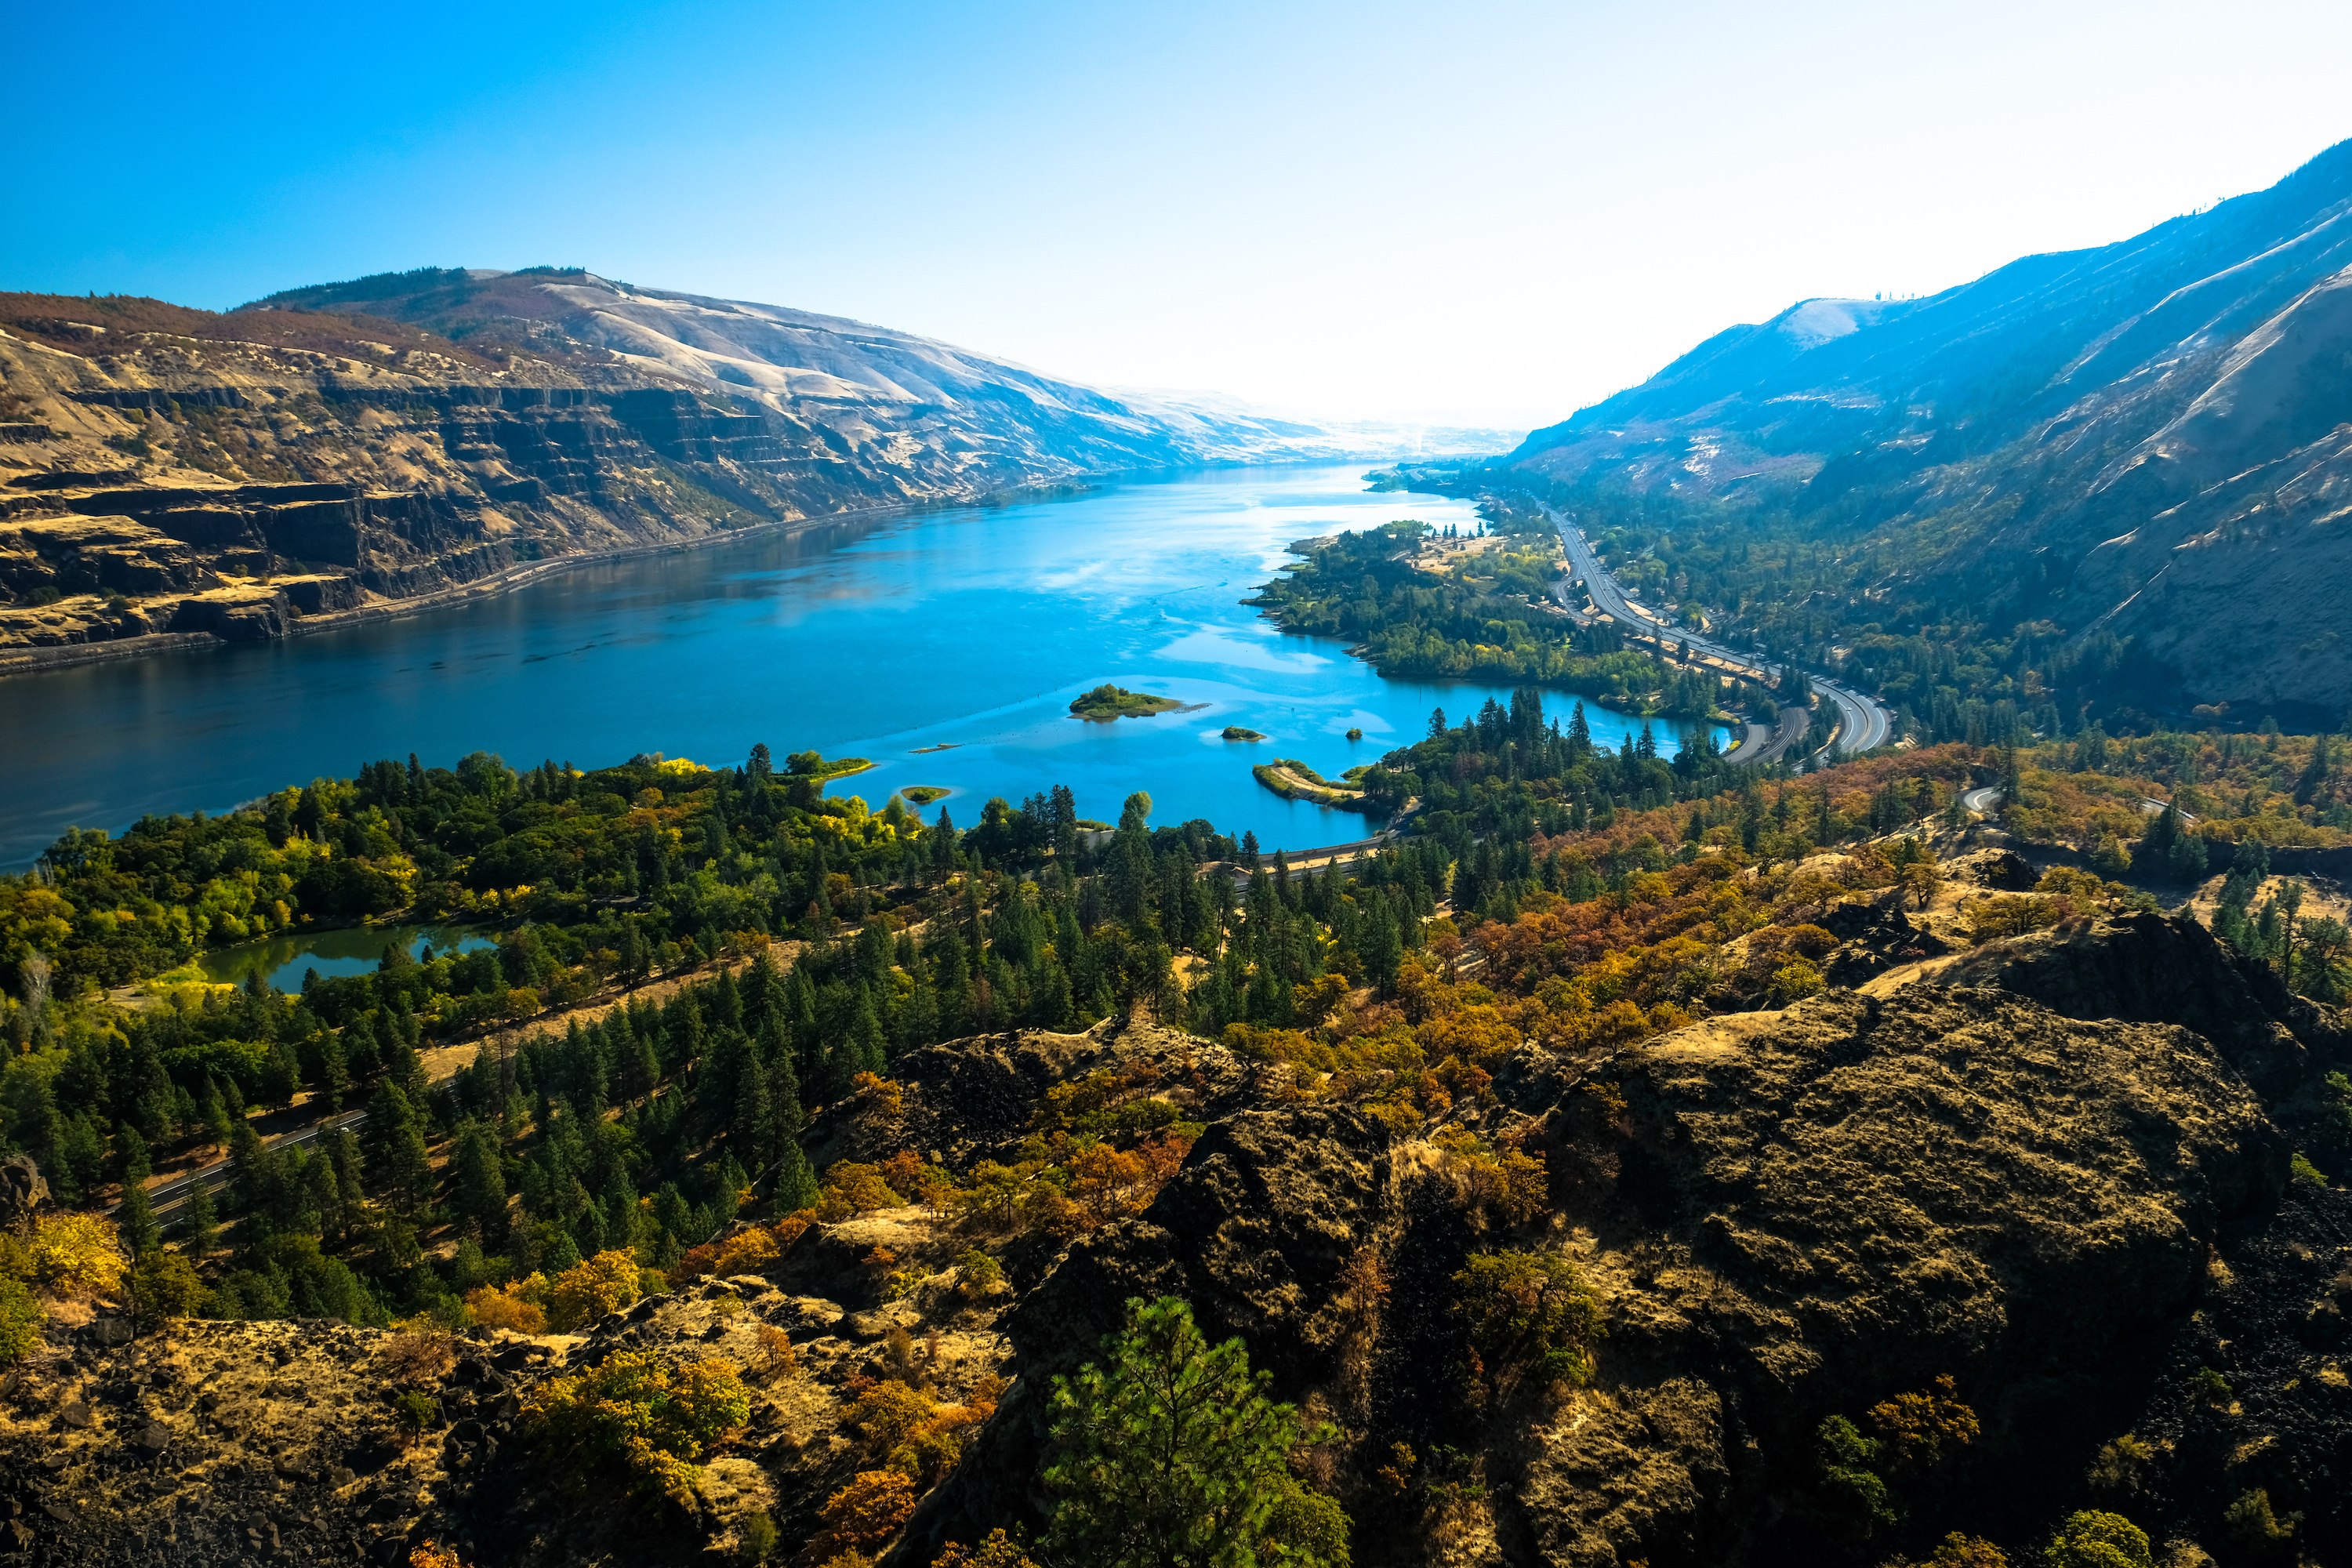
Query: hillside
[[2144, 440], [167, 473]]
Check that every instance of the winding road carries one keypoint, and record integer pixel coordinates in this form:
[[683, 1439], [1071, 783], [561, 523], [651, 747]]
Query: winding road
[[1862, 725]]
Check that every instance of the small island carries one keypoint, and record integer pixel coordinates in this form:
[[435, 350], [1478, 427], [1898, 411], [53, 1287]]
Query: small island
[[1235, 732], [1107, 703], [923, 794]]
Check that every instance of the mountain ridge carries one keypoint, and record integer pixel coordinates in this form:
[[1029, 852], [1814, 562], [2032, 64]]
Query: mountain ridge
[[170, 475], [2141, 439]]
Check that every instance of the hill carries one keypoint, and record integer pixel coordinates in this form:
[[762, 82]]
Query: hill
[[2145, 440], [174, 473]]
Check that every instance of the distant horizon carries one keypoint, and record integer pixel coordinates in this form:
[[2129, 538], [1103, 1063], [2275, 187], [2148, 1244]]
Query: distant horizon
[[1341, 212]]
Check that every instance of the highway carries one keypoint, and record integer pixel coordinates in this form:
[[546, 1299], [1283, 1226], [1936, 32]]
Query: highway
[[169, 1199], [1984, 798], [1862, 725]]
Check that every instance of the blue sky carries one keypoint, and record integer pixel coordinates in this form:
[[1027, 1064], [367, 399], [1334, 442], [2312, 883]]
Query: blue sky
[[1491, 212]]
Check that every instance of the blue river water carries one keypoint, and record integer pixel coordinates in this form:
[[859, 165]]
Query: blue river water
[[970, 627]]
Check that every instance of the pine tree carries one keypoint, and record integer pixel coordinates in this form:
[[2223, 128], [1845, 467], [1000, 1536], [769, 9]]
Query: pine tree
[[137, 1221], [480, 1180], [396, 1150], [1168, 1455], [334, 1072], [204, 1225]]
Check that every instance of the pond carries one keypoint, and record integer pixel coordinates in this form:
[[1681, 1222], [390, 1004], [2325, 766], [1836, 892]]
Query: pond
[[347, 950]]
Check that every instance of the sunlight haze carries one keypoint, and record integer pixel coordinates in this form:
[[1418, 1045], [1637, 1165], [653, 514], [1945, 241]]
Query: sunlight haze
[[1489, 213]]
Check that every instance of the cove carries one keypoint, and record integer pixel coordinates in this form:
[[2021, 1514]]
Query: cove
[[968, 627]]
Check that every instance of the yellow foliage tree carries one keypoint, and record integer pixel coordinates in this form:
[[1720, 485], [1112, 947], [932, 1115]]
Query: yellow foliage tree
[[77, 1255], [638, 1409], [605, 1283]]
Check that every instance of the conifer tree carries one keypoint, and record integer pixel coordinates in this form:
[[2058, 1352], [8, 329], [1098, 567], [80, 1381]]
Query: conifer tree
[[204, 1225], [1168, 1455]]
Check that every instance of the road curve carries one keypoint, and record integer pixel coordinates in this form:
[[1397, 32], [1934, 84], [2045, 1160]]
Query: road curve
[[1862, 725]]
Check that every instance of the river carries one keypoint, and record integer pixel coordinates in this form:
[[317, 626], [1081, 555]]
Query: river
[[969, 626]]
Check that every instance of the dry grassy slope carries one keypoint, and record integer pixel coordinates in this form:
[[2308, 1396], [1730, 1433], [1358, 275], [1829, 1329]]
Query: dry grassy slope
[[275, 468]]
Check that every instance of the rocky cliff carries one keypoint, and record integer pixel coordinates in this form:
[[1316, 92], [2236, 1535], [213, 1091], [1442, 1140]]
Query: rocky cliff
[[170, 472]]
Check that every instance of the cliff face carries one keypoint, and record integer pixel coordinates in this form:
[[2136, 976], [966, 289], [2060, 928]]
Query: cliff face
[[169, 472]]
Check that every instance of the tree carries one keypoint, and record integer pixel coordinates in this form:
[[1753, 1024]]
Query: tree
[[1168, 1455], [480, 1180], [163, 1287], [396, 1150], [137, 1220], [2091, 1538], [2109, 858], [203, 1226]]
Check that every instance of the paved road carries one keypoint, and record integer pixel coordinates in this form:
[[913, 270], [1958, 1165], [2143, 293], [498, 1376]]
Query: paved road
[[169, 1198], [1862, 723], [1984, 798]]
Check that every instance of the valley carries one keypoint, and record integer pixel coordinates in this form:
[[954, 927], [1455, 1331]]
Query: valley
[[641, 928]]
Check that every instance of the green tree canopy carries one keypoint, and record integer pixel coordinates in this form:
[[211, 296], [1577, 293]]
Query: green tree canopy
[[1168, 1455]]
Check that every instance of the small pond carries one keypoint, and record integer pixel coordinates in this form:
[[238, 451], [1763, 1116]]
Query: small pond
[[349, 950]]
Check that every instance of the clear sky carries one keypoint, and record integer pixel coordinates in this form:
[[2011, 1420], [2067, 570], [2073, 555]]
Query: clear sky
[[1482, 211]]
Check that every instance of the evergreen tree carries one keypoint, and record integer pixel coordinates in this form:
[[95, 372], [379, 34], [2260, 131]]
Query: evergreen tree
[[137, 1221], [1168, 1455], [203, 1226], [334, 1071], [396, 1148], [481, 1181]]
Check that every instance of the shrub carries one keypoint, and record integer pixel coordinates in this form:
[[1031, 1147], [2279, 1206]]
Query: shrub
[[638, 1411], [433, 1554], [746, 1254], [165, 1288], [2209, 1385], [1850, 1479], [851, 1188], [977, 1274], [418, 1354], [776, 1353], [1957, 1551], [605, 1283], [1168, 1454], [1794, 981], [760, 1538], [866, 1513], [1529, 1314], [1917, 1429], [510, 1306], [2094, 1539], [20, 1321], [2255, 1529], [77, 1255], [2301, 1169], [998, 1550]]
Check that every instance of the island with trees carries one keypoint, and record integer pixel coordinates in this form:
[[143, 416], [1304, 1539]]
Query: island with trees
[[1107, 703]]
